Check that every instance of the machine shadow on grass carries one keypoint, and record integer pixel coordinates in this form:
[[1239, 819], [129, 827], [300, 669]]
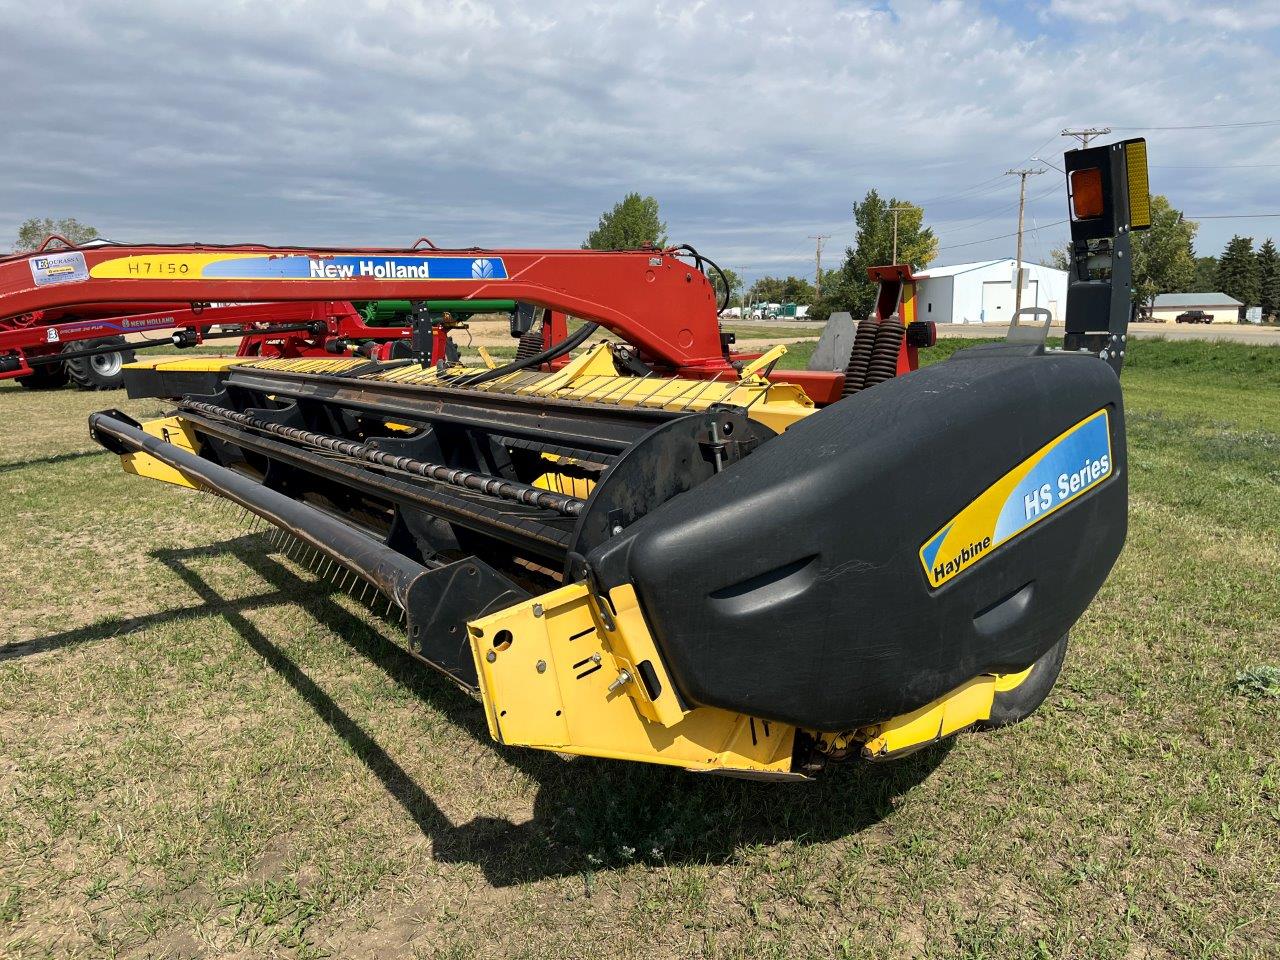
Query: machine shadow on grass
[[589, 814], [49, 461]]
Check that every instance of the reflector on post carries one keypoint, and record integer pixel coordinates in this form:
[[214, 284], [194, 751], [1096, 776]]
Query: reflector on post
[[1109, 201], [1135, 156], [1086, 193]]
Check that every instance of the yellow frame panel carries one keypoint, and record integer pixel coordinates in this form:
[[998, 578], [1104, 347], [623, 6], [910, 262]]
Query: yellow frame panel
[[545, 675]]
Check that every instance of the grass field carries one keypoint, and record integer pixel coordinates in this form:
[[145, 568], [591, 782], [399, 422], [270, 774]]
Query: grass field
[[206, 752]]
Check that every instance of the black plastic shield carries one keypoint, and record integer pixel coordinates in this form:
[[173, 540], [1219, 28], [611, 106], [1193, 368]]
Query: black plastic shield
[[791, 587]]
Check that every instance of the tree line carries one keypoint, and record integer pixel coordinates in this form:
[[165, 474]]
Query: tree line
[[33, 230], [635, 222], [1165, 261], [1164, 258], [1252, 277]]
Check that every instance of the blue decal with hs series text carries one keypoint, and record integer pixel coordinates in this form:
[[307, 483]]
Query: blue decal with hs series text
[[1054, 475]]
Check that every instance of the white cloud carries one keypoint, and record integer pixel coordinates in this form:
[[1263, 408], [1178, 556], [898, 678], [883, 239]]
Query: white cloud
[[504, 123], [1243, 15]]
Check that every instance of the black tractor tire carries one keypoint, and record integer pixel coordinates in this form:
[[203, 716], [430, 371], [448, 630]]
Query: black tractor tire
[[1013, 706], [102, 371], [48, 376]]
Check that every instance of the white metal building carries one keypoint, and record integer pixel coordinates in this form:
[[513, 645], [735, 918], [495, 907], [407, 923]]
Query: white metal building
[[983, 292]]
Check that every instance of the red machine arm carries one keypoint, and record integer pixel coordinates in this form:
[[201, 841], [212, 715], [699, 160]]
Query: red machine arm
[[654, 300], [298, 328]]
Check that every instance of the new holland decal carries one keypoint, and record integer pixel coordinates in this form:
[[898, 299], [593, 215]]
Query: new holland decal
[[1067, 467], [290, 266]]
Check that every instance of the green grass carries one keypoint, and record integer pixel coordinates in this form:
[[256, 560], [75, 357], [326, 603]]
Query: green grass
[[206, 752], [777, 331]]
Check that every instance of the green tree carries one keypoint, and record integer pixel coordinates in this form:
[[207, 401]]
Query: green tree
[[873, 247], [735, 283], [1163, 257], [1238, 271], [1059, 258], [789, 290], [1268, 278], [798, 290], [33, 231], [1205, 277], [766, 290], [630, 224]]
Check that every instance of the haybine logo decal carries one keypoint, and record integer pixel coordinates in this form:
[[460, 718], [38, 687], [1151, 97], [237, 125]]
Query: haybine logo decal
[[254, 266], [1069, 466]]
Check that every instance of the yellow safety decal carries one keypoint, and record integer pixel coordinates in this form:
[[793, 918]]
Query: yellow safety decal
[[1059, 472]]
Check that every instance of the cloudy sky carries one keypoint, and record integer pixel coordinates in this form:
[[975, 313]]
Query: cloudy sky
[[755, 124]]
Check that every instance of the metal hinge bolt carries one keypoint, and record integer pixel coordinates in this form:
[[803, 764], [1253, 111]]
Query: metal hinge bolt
[[624, 677]]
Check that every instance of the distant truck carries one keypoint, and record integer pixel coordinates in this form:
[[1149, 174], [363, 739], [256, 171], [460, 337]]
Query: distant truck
[[1194, 316]]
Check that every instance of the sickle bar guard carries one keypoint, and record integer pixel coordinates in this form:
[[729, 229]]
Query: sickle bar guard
[[707, 571]]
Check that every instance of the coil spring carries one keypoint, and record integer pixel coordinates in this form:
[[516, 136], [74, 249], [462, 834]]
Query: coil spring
[[531, 342], [884, 355], [855, 374]]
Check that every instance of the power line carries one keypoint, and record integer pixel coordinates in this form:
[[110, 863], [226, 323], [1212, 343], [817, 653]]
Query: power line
[[895, 211], [1208, 126], [1022, 175], [998, 178], [946, 197], [1096, 132], [1229, 216], [972, 222], [817, 273], [1035, 237], [1032, 154], [1003, 236], [1084, 136], [1211, 166], [986, 189]]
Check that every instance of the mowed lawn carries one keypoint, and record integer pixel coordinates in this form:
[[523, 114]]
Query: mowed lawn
[[204, 751]]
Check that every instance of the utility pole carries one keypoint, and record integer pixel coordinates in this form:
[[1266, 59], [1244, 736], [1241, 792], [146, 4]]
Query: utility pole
[[817, 273], [1022, 202], [895, 211], [1084, 136]]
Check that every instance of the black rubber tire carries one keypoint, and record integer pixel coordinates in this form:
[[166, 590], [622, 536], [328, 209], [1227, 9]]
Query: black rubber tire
[[48, 376], [103, 371], [1013, 706]]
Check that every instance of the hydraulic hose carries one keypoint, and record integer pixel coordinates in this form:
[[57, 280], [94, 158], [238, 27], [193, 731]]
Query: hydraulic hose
[[556, 350], [699, 260]]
